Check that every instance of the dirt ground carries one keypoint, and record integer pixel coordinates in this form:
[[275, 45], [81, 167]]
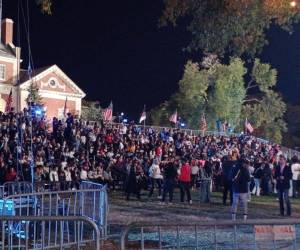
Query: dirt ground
[[122, 211]]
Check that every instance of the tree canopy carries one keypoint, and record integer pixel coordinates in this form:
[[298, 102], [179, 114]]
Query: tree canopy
[[45, 5], [223, 92], [236, 27], [34, 95]]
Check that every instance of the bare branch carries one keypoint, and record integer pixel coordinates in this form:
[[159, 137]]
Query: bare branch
[[249, 86], [252, 100]]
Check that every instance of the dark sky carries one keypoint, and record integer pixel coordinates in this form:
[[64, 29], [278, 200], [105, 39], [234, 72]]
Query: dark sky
[[114, 50]]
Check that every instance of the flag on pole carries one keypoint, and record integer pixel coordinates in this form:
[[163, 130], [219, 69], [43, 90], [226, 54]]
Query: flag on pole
[[65, 107], [248, 126], [203, 123], [108, 112], [143, 115], [173, 117], [9, 102]]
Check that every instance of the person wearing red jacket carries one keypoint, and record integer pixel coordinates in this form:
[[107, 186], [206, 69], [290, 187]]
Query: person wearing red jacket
[[185, 181], [11, 175]]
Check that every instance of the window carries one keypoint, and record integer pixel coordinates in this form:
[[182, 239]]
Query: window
[[52, 83], [2, 71]]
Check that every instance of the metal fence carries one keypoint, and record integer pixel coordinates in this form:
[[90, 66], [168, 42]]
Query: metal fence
[[16, 187], [242, 235], [31, 232], [91, 203]]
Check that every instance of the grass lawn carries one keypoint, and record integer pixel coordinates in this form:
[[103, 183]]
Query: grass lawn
[[123, 212]]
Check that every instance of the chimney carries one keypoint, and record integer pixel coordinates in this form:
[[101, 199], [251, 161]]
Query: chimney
[[7, 31]]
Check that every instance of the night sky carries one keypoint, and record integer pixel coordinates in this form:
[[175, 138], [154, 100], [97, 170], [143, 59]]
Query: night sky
[[114, 50]]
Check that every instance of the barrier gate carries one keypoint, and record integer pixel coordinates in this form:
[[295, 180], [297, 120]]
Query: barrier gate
[[89, 201]]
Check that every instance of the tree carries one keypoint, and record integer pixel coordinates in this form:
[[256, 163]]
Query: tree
[[45, 5], [292, 139], [223, 92], [33, 95], [91, 111], [237, 27]]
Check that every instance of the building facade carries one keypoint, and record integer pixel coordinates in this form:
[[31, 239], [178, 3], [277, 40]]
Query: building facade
[[55, 87]]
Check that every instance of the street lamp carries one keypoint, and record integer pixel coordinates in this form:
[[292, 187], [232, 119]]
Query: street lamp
[[293, 4]]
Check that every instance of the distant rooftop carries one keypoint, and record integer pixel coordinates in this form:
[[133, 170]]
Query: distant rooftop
[[6, 51]]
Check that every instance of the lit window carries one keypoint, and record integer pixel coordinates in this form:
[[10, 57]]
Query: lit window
[[2, 72]]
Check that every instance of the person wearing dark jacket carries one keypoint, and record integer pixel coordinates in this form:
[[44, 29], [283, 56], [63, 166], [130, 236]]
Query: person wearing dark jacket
[[227, 183], [170, 174], [132, 183], [283, 175], [240, 186]]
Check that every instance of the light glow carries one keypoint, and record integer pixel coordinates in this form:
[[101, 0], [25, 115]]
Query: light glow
[[293, 4]]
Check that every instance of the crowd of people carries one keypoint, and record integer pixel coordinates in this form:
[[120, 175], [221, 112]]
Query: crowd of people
[[135, 158]]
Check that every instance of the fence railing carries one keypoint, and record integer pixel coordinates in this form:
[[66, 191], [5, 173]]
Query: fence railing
[[221, 234], [91, 203], [31, 232]]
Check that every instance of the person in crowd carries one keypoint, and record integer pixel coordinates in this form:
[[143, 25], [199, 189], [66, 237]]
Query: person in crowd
[[170, 175], [132, 183], [194, 173], [296, 177], [217, 175], [11, 174], [185, 181], [155, 178], [266, 178], [283, 175], [54, 174], [240, 186], [258, 172], [226, 178]]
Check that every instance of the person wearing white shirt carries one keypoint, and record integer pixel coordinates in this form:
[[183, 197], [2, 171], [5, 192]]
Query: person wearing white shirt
[[155, 178], [68, 174], [296, 177], [83, 174], [53, 175]]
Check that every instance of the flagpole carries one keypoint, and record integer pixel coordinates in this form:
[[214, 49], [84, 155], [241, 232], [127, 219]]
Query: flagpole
[[145, 118]]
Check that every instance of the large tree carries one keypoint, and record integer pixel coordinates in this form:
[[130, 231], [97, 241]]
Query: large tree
[[225, 92], [234, 26]]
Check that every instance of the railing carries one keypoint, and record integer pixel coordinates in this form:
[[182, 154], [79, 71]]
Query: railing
[[221, 234], [31, 232], [16, 187], [91, 203]]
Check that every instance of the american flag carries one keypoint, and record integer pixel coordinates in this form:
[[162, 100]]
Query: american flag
[[173, 117], [108, 112], [248, 126], [9, 102], [143, 115], [203, 123]]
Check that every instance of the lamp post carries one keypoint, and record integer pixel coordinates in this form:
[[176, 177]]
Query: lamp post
[[293, 4]]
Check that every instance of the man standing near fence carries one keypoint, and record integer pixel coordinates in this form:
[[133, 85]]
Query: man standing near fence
[[283, 176]]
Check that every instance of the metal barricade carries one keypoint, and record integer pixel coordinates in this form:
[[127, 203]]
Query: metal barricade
[[91, 203], [16, 187], [36, 232], [221, 234]]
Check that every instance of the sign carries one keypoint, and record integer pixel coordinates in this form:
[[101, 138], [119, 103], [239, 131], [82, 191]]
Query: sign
[[270, 233]]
